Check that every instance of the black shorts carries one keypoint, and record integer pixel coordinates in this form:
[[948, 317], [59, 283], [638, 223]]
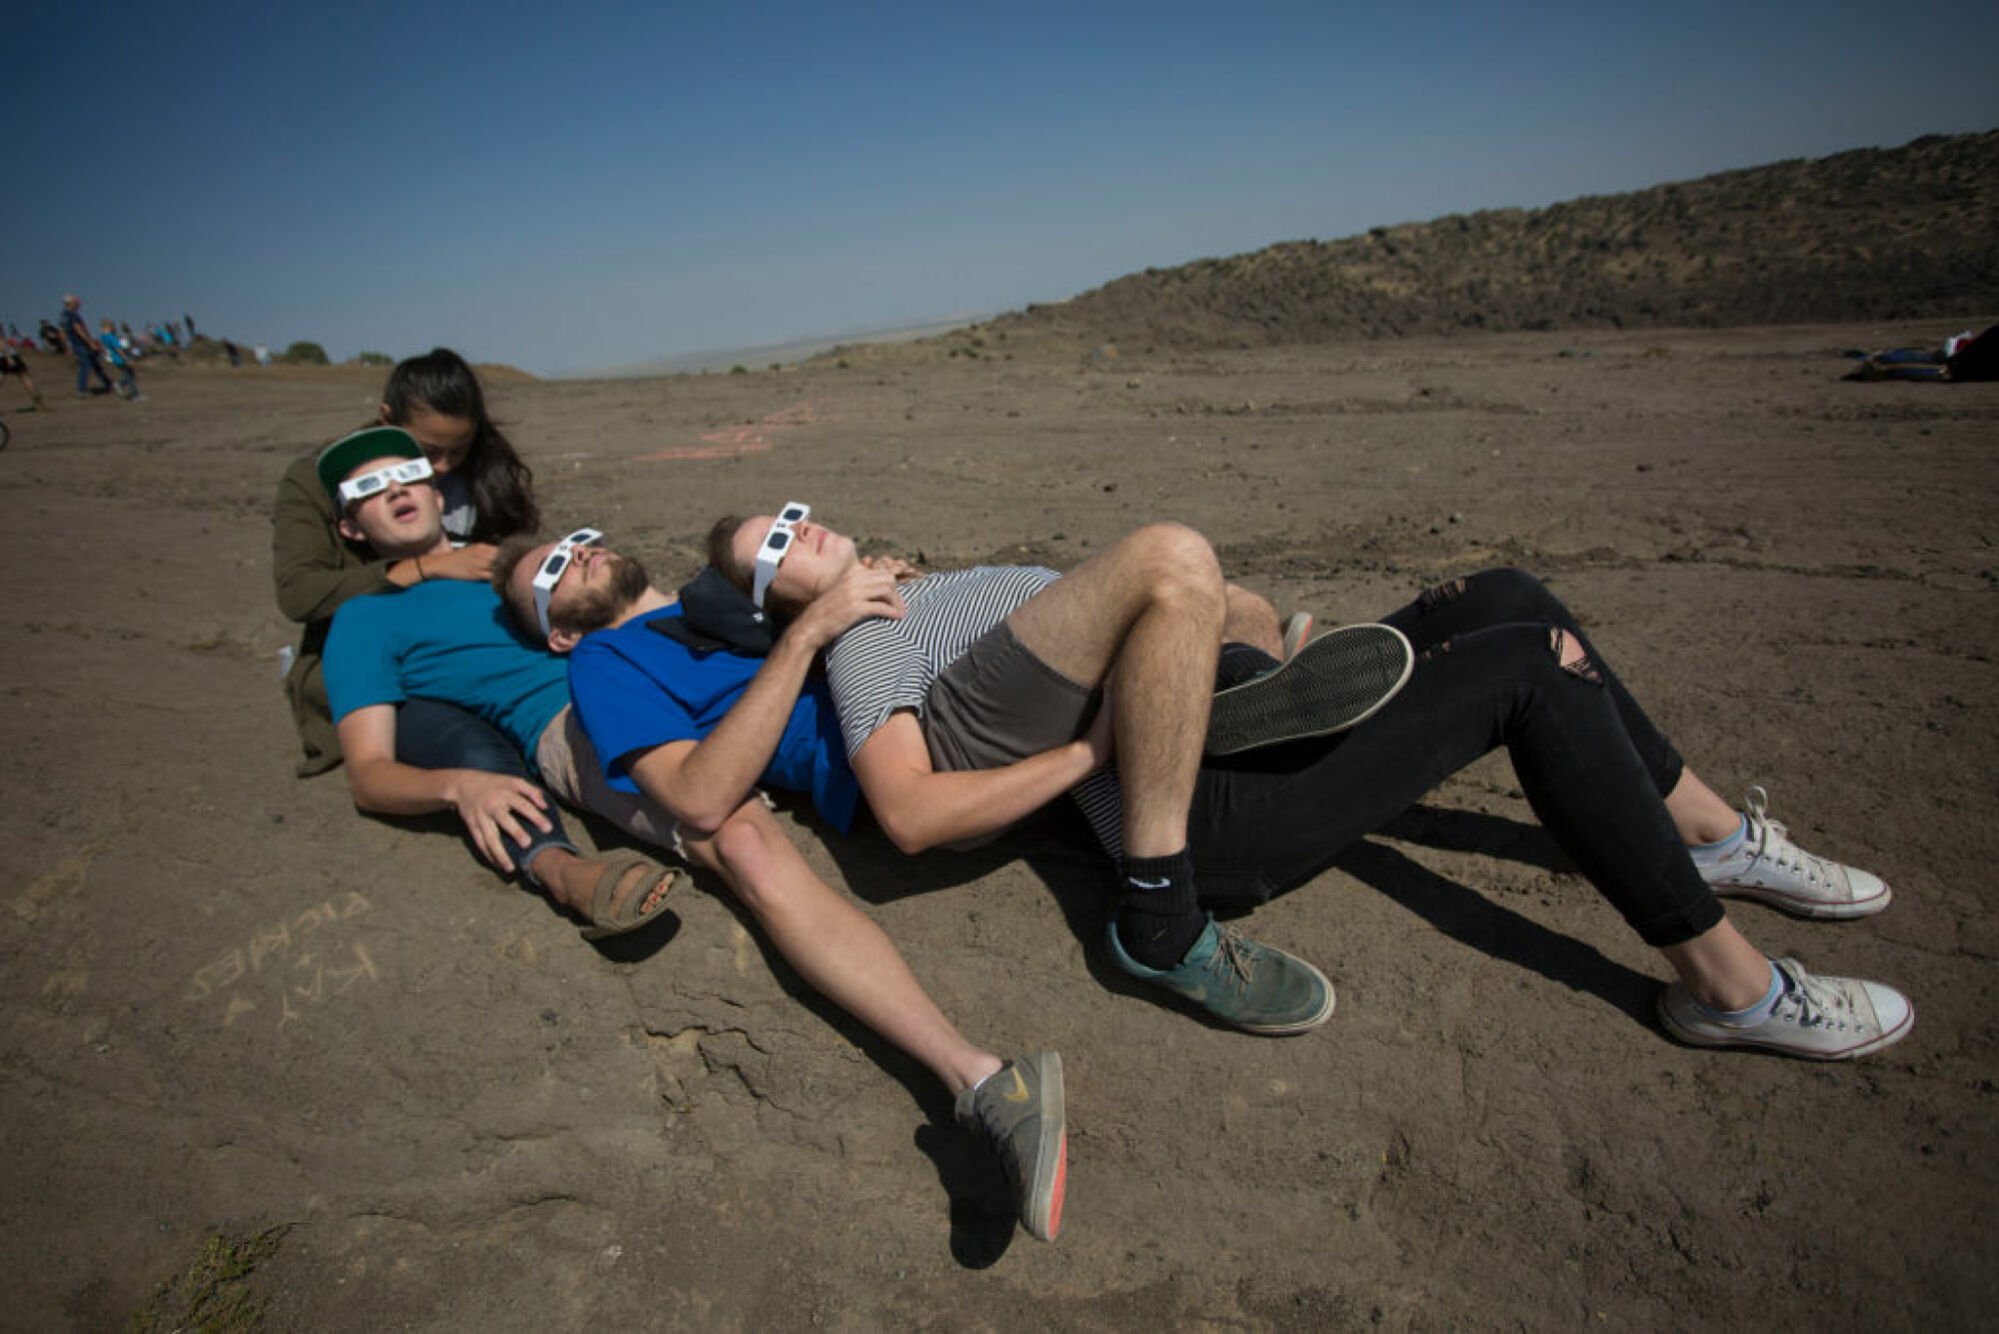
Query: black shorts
[[11, 364]]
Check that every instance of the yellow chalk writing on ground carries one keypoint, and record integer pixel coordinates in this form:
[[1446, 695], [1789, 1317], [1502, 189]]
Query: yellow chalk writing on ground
[[303, 953]]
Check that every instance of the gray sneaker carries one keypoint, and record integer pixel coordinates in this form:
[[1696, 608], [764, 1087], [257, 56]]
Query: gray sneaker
[[1770, 868], [1019, 1113], [1818, 1018], [1328, 685], [1255, 987]]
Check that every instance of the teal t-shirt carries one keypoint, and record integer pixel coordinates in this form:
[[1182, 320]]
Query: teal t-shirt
[[448, 640]]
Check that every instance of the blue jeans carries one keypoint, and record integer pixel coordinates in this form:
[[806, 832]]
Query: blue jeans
[[1488, 674], [434, 735], [86, 363]]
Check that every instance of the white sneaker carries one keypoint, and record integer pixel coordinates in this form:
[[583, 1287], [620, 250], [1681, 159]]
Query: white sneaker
[[1767, 866], [1818, 1018]]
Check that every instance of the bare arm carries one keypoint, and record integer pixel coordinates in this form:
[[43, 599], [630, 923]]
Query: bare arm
[[703, 782], [920, 808], [493, 806]]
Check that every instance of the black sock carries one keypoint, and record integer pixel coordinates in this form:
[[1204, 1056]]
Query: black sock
[[1158, 916], [1241, 662]]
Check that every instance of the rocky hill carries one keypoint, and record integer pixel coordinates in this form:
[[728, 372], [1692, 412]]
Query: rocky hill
[[1901, 233]]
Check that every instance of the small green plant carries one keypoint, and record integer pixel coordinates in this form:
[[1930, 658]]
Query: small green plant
[[213, 1293], [303, 353], [739, 369], [375, 359]]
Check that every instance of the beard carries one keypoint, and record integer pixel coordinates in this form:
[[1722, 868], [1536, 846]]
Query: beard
[[595, 608]]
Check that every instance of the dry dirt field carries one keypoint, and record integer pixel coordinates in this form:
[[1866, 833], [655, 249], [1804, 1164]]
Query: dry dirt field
[[235, 1007]]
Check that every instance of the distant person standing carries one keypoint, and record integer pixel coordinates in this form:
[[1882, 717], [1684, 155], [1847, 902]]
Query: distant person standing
[[191, 334], [76, 332], [120, 358]]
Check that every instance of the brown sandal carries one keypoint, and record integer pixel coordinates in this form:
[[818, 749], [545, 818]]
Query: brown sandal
[[606, 918]]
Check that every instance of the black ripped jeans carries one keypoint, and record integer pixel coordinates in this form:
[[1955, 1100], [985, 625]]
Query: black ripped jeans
[[1488, 674]]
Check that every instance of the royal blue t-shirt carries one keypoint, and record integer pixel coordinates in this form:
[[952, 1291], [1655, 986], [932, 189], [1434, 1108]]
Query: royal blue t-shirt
[[448, 640], [636, 688]]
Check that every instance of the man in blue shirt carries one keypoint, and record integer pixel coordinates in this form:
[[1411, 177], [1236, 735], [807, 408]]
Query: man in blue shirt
[[696, 733], [76, 331]]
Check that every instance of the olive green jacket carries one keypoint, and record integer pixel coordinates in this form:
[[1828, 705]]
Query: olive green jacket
[[316, 570]]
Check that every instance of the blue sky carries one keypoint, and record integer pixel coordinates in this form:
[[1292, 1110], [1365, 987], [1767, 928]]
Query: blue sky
[[569, 186]]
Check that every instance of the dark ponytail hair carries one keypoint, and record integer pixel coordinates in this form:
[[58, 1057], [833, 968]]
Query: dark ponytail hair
[[502, 486]]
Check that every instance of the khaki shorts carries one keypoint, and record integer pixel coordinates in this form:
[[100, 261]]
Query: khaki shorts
[[569, 769]]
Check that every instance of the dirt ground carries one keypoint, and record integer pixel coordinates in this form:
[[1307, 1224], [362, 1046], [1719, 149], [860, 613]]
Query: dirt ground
[[233, 1005]]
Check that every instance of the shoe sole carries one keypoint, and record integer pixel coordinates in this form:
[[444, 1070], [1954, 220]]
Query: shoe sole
[[1334, 682], [1695, 1039], [1800, 906], [1051, 1168]]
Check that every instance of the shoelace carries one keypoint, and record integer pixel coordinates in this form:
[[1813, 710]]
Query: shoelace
[[1232, 955], [1816, 1002], [1786, 854]]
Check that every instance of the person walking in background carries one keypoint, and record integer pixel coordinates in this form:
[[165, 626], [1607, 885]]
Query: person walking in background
[[13, 363], [120, 358], [76, 333]]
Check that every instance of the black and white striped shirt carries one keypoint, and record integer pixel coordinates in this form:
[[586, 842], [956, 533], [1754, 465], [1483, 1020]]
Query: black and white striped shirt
[[881, 666]]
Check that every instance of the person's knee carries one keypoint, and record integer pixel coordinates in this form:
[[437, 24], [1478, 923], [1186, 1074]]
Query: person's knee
[[741, 846], [1572, 654], [1180, 563]]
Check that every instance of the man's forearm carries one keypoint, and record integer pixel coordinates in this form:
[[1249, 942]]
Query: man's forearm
[[921, 809], [386, 787]]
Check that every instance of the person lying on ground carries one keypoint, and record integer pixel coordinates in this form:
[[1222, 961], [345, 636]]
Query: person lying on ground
[[649, 704], [449, 640], [980, 670], [489, 494]]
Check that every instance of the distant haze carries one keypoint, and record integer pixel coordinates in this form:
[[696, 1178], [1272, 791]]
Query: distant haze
[[766, 354]]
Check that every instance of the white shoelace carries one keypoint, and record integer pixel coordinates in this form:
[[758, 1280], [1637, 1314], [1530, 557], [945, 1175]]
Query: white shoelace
[[1816, 1002], [1773, 843]]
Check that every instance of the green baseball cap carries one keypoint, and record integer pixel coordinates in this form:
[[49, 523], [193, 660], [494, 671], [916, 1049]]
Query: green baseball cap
[[349, 451]]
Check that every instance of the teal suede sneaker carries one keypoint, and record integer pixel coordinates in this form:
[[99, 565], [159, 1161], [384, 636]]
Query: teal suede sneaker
[[1256, 987]]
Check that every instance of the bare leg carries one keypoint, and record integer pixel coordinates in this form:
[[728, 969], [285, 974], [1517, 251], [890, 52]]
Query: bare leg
[[837, 948], [1144, 619], [1722, 969], [1252, 620], [1698, 811]]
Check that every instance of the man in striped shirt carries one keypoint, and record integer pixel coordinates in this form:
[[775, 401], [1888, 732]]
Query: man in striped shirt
[[990, 692]]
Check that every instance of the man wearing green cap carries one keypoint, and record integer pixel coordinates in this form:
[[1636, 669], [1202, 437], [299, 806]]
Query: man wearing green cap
[[436, 643]]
